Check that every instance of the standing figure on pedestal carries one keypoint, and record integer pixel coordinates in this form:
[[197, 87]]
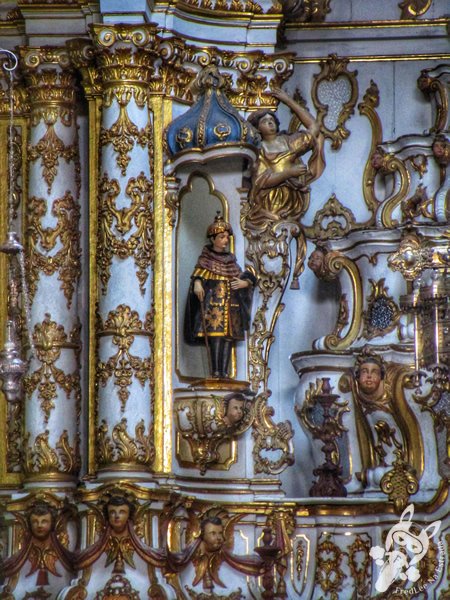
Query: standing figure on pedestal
[[219, 300]]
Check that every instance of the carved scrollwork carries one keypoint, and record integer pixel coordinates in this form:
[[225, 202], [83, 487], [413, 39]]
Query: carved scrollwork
[[334, 93], [359, 562], [306, 11], [411, 9], [121, 448], [329, 574], [257, 74], [123, 324], [332, 221], [382, 314], [270, 437], [367, 108], [49, 339], [41, 458], [134, 225], [333, 264], [231, 6], [65, 236]]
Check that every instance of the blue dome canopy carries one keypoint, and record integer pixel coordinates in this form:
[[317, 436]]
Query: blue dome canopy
[[211, 121]]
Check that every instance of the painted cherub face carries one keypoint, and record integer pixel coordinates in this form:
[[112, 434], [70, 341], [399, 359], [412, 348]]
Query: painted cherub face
[[41, 525], [369, 378], [213, 537], [118, 517], [235, 411]]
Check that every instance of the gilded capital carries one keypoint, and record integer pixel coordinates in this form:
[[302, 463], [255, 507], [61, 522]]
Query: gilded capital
[[125, 57], [51, 84]]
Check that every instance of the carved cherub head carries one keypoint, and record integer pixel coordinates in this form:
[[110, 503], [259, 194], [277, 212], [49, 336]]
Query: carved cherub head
[[233, 408], [378, 159], [369, 374], [441, 150], [212, 534], [41, 520], [316, 261], [118, 511]]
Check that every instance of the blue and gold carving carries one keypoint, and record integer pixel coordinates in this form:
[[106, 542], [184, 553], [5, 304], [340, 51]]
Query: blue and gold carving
[[211, 121]]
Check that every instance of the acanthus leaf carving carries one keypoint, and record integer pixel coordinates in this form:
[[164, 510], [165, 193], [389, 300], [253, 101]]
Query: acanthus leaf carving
[[121, 447]]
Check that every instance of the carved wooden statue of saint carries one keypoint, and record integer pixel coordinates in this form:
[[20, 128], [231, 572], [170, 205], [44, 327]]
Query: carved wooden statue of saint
[[219, 300]]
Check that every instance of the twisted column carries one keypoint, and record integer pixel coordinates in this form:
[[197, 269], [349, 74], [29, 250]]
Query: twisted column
[[125, 251], [52, 386]]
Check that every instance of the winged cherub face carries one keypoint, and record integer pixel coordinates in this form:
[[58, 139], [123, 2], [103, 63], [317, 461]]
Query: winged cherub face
[[118, 517], [213, 537], [41, 525]]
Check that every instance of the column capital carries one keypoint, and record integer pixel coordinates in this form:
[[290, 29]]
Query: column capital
[[51, 83], [125, 58]]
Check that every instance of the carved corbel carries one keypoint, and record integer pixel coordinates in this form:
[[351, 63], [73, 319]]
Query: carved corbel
[[206, 423]]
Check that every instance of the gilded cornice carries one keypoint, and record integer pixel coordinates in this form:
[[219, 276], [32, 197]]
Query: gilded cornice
[[227, 8]]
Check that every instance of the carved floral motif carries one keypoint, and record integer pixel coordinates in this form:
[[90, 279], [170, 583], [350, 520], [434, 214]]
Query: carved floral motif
[[122, 448]]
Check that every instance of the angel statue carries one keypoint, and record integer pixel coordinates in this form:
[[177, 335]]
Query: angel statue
[[280, 179]]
